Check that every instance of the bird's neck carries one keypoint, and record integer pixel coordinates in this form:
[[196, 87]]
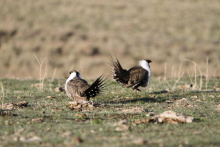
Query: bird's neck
[[70, 78], [145, 66]]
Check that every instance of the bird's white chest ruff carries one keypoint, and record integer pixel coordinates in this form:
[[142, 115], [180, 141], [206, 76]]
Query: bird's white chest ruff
[[67, 83], [146, 66], [73, 75], [66, 89]]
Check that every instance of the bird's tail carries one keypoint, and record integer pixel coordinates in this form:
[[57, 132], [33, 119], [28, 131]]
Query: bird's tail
[[96, 87], [118, 73]]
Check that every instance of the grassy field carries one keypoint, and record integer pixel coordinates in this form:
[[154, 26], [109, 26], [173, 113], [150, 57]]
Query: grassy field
[[79, 35], [47, 39], [47, 119]]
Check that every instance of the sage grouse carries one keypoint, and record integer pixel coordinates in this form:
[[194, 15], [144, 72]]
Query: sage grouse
[[134, 77], [78, 89]]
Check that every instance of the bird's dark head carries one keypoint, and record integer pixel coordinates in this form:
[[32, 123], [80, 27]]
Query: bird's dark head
[[148, 61], [74, 74]]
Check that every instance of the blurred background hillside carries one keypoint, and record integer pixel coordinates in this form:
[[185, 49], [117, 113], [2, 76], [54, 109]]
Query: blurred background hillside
[[80, 34]]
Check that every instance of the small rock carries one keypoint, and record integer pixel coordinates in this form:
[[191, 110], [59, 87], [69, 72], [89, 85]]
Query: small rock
[[59, 89], [37, 120], [172, 117], [50, 97], [182, 87], [194, 96]]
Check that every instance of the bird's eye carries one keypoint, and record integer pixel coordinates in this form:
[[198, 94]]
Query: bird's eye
[[70, 72]]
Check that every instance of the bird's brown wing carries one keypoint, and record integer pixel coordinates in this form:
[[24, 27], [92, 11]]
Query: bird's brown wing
[[137, 77], [77, 87], [119, 74]]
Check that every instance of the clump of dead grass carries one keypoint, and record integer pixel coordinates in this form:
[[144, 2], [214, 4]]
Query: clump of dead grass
[[41, 78], [3, 94]]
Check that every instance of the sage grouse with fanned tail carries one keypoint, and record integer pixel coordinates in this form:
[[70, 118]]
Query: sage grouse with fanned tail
[[79, 89], [134, 77]]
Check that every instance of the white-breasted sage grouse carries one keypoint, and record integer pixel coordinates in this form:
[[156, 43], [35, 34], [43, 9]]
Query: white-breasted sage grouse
[[79, 89], [134, 77]]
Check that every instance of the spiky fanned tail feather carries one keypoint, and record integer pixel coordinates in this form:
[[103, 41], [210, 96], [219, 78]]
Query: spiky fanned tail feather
[[96, 87], [119, 74]]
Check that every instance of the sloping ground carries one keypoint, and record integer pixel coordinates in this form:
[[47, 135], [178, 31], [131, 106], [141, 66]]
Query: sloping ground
[[80, 35]]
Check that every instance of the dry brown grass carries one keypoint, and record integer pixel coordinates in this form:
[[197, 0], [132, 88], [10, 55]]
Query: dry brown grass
[[3, 94], [41, 77], [75, 34]]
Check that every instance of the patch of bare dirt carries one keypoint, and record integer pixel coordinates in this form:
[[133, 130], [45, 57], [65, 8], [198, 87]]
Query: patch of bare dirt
[[84, 105], [10, 106], [167, 117]]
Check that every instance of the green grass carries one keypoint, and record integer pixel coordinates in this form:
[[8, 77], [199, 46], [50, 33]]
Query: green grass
[[59, 124]]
